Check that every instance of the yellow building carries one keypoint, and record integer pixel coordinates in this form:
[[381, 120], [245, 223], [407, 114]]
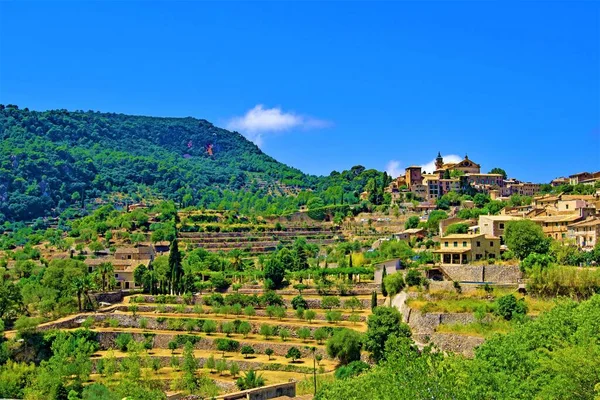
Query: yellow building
[[465, 248], [556, 226], [124, 262], [494, 225]]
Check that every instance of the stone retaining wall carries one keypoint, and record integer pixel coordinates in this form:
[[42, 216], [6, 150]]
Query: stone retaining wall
[[503, 274], [161, 341]]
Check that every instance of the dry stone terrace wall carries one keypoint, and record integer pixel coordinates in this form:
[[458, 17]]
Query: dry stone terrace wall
[[357, 288], [127, 321], [161, 341], [207, 315], [311, 302], [507, 274]]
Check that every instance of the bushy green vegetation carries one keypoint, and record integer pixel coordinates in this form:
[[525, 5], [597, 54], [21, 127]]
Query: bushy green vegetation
[[554, 356]]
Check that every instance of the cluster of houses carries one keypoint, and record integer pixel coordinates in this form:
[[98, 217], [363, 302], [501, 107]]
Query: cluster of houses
[[456, 177], [573, 219], [467, 174]]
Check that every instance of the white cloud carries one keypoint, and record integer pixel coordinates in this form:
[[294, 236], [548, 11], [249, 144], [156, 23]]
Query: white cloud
[[259, 121], [393, 169], [450, 158]]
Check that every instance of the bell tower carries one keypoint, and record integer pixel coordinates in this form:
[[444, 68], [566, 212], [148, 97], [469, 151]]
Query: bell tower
[[439, 161]]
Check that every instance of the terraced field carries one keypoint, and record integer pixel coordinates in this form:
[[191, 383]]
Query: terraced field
[[218, 333]]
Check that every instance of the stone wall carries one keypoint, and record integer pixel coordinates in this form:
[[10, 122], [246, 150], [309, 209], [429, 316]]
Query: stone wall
[[459, 344], [502, 274], [161, 340], [263, 393], [109, 297]]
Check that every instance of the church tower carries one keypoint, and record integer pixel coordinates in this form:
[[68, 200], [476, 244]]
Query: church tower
[[439, 161]]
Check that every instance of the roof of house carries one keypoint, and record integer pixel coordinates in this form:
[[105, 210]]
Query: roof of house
[[469, 236], [413, 230], [500, 217], [452, 250], [135, 250], [592, 221], [556, 218]]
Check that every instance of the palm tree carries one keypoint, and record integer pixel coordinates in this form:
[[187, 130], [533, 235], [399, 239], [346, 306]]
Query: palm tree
[[105, 269], [77, 286]]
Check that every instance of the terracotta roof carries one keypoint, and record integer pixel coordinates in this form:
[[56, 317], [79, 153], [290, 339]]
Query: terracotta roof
[[592, 221], [557, 218]]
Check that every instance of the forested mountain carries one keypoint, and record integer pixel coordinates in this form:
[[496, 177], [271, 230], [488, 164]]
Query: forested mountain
[[53, 159]]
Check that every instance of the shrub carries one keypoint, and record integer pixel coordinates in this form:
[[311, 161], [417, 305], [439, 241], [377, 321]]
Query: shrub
[[209, 326], [161, 308], [113, 322], [354, 318], [508, 307], [299, 302], [351, 370], [122, 340], [373, 300], [413, 277], [300, 313], [198, 309], [214, 300], [394, 283], [219, 282], [180, 308], [279, 312], [234, 369], [236, 309], [210, 363], [221, 366], [160, 299], [143, 323], [189, 324]]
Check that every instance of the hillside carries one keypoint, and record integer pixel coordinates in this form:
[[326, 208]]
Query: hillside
[[51, 159]]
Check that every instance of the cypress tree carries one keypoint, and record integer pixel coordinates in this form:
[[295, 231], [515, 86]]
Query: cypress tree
[[175, 266], [383, 275], [373, 300]]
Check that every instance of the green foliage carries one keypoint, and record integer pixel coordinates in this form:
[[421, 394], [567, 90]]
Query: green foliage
[[508, 307], [524, 237], [329, 302], [394, 284], [123, 340], [333, 316], [299, 302], [225, 345], [247, 350], [384, 323], [413, 277], [412, 222], [269, 352], [244, 328], [345, 344], [310, 315], [293, 353], [457, 228], [321, 334], [304, 333], [351, 370], [250, 380]]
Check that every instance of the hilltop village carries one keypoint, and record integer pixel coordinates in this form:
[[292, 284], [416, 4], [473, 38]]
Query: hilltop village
[[173, 301]]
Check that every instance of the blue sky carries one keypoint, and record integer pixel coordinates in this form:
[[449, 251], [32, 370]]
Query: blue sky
[[325, 86]]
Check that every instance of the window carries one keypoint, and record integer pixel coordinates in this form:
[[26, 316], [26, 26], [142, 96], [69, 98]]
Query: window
[[464, 244], [455, 244], [501, 225], [478, 244], [445, 244], [129, 256], [567, 206], [116, 275], [491, 244]]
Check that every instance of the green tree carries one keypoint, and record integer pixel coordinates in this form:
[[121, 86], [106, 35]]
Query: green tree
[[412, 222], [293, 353], [269, 352], [175, 268], [274, 271], [384, 323], [345, 345], [246, 350], [498, 171], [524, 237]]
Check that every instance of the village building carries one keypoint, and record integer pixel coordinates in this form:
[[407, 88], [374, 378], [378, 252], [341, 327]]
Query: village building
[[408, 234], [494, 225], [585, 233], [124, 262], [457, 249]]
